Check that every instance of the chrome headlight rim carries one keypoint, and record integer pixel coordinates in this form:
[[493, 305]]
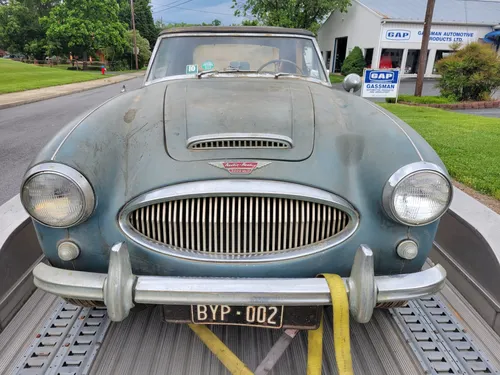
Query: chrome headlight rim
[[72, 175], [399, 176]]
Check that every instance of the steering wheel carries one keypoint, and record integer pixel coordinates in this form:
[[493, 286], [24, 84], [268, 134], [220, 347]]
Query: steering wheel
[[277, 61]]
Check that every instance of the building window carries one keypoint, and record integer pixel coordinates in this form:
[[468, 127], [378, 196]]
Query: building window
[[391, 58], [368, 57], [440, 54], [412, 61]]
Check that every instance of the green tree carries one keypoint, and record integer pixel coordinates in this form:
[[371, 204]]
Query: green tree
[[84, 27], [302, 14], [354, 62], [471, 73], [126, 60], [250, 23], [144, 22], [144, 49], [20, 29]]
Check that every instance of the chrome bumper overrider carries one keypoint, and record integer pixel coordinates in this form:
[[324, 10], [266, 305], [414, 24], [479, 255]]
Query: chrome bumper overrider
[[120, 289]]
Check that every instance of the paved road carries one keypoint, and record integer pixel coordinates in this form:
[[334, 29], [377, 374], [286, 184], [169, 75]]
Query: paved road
[[24, 130]]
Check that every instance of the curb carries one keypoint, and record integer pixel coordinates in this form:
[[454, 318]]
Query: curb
[[464, 105], [56, 95]]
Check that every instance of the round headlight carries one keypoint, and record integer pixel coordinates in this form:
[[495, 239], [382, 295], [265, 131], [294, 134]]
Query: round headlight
[[57, 195], [417, 194]]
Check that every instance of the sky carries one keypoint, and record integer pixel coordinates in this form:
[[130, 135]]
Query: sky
[[194, 11]]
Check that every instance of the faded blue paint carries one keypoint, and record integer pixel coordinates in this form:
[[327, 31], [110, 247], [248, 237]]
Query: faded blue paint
[[121, 150]]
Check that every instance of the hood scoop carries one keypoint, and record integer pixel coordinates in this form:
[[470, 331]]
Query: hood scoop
[[238, 118], [238, 140]]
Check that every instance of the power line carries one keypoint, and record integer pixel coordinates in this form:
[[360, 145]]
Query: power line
[[171, 6], [204, 11], [158, 4]]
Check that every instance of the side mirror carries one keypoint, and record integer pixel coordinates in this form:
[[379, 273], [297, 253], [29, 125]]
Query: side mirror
[[352, 82]]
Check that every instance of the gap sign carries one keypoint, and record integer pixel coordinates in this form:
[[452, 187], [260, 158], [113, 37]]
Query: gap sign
[[381, 83]]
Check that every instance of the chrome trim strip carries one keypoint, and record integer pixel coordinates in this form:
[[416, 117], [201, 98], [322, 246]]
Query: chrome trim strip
[[74, 176], [400, 175], [239, 188], [268, 137], [233, 75], [161, 37]]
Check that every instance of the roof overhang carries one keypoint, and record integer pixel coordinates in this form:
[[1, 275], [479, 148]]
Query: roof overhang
[[394, 20]]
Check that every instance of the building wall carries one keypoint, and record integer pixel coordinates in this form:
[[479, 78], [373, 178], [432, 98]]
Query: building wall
[[366, 29], [359, 24], [408, 37]]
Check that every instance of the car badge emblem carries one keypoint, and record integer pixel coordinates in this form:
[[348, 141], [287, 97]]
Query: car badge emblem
[[240, 167]]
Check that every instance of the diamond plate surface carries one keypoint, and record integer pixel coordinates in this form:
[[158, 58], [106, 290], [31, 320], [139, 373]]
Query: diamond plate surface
[[439, 342]]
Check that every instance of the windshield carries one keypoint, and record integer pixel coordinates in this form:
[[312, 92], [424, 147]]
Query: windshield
[[194, 54]]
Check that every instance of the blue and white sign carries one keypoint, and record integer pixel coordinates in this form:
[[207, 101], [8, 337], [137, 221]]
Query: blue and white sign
[[397, 34], [439, 34], [380, 83]]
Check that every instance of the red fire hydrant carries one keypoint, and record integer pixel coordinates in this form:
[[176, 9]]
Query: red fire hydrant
[[103, 70]]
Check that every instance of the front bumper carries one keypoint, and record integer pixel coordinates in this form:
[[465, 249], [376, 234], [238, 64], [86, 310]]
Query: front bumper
[[120, 289]]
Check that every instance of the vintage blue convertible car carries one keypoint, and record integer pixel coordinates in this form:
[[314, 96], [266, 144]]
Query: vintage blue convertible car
[[229, 181]]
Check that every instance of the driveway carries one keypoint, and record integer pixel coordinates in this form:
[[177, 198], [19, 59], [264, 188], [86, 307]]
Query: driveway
[[488, 112]]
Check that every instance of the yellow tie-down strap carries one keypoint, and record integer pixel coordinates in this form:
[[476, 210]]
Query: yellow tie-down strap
[[341, 338]]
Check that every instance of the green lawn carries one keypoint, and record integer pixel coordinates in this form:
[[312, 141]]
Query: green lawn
[[468, 145], [335, 78], [17, 76]]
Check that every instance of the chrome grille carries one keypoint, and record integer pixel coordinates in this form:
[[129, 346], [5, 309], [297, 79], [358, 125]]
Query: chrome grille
[[243, 225], [238, 143]]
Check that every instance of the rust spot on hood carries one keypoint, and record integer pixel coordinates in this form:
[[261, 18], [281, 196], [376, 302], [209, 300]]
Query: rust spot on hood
[[130, 115]]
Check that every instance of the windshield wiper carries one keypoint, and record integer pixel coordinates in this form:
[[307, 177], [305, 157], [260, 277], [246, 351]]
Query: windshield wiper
[[237, 70], [229, 70], [279, 74], [201, 74]]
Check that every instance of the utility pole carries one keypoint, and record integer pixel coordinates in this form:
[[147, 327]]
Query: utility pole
[[422, 63], [135, 40]]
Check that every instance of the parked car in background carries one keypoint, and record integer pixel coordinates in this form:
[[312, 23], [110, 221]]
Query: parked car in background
[[233, 177]]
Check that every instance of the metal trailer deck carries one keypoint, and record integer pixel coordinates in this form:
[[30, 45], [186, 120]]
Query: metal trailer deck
[[454, 332], [400, 341]]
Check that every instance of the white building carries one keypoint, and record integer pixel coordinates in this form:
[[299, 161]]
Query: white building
[[389, 32]]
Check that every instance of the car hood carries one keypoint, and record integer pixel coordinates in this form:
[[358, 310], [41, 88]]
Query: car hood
[[233, 109], [120, 147]]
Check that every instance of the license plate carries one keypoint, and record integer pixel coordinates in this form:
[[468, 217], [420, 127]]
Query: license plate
[[257, 316]]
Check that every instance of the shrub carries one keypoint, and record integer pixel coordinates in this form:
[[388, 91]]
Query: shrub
[[471, 73], [421, 99], [118, 65], [354, 62]]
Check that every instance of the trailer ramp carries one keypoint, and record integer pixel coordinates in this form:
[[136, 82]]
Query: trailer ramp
[[440, 335]]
